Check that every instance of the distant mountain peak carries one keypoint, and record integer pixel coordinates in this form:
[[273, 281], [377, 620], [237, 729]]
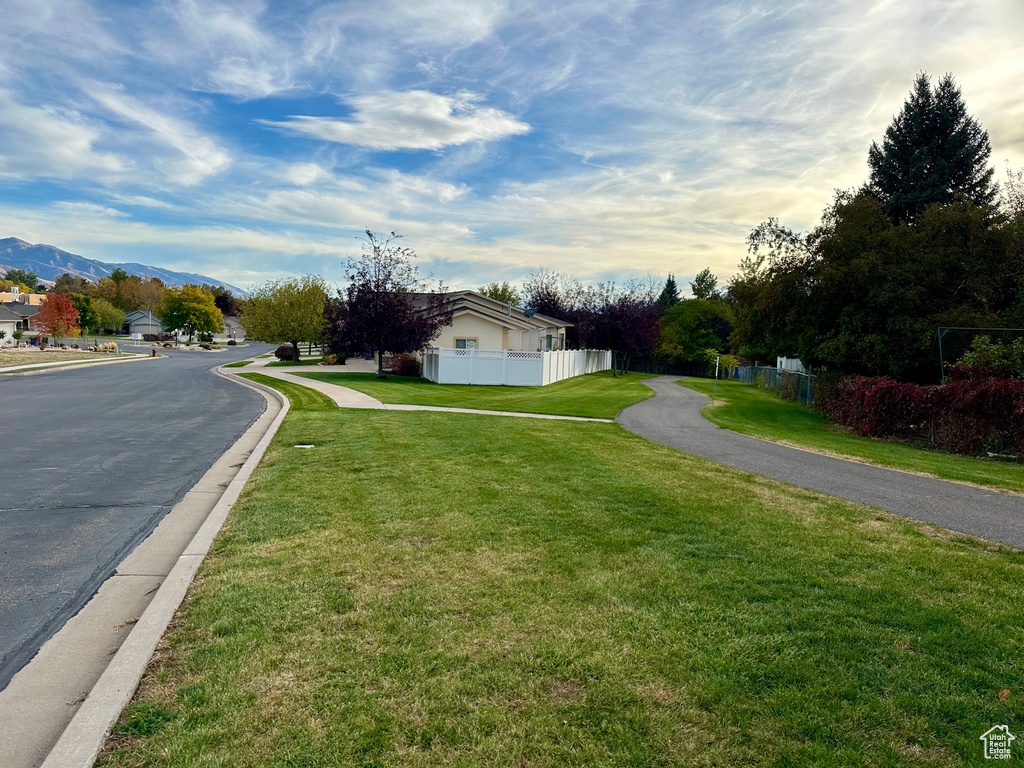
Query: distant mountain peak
[[49, 262]]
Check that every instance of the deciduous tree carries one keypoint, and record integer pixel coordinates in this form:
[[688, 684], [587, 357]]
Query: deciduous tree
[[87, 317], [380, 311], [109, 317], [692, 327], [190, 309], [68, 283], [705, 285], [503, 292], [57, 318], [286, 310]]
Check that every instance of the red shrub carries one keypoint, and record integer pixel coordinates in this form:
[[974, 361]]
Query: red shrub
[[962, 416], [892, 408], [405, 365]]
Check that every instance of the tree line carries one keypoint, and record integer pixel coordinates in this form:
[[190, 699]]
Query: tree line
[[928, 241]]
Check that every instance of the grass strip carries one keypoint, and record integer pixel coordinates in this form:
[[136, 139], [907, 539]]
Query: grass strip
[[760, 413], [436, 589], [301, 398], [238, 364], [596, 395], [12, 359], [287, 363]]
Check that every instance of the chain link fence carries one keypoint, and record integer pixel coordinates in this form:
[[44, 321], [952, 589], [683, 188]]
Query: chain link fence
[[792, 385]]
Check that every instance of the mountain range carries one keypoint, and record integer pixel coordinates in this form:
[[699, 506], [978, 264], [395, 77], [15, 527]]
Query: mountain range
[[49, 263]]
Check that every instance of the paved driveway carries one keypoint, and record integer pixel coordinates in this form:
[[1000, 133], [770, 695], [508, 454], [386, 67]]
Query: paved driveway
[[92, 459], [673, 418]]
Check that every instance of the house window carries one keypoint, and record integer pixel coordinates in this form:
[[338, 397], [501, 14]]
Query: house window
[[465, 343]]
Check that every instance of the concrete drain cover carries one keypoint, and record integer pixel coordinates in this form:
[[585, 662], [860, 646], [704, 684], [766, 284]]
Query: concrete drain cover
[[306, 445]]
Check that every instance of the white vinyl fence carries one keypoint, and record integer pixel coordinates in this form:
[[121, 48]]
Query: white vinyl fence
[[511, 367]]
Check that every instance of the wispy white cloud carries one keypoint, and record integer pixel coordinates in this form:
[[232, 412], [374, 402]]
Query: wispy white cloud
[[199, 156], [304, 174], [648, 134], [143, 201], [408, 120], [54, 142]]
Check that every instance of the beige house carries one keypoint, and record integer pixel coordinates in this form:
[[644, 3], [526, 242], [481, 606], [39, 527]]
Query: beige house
[[479, 322]]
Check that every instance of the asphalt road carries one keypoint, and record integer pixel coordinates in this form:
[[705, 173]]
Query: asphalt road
[[93, 458], [673, 418]]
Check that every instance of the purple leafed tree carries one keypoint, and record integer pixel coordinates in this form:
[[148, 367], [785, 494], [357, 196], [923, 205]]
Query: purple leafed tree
[[381, 311]]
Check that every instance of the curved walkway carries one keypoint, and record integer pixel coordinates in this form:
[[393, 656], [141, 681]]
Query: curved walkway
[[673, 418], [344, 397]]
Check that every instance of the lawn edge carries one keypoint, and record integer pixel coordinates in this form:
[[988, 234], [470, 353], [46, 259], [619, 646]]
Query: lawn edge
[[87, 733]]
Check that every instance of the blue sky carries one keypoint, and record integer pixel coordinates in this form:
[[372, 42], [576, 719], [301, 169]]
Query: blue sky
[[607, 139]]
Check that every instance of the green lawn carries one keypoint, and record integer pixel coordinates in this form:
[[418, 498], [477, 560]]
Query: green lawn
[[239, 364], [597, 395], [431, 589], [760, 413]]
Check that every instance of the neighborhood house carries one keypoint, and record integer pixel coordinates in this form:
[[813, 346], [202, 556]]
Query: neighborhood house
[[479, 322], [143, 321], [494, 343], [23, 306]]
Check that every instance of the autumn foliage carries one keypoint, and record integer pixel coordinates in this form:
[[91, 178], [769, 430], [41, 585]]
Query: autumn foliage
[[57, 318], [961, 416]]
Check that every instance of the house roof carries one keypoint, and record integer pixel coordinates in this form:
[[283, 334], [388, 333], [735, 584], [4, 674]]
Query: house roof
[[493, 310], [8, 316], [21, 310], [141, 314]]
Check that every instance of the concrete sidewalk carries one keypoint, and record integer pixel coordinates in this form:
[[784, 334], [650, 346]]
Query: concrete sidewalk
[[350, 398], [673, 418]]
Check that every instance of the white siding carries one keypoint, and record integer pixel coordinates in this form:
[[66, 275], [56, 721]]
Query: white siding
[[9, 327]]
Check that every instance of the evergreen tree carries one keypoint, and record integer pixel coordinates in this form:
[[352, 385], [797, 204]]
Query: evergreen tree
[[669, 296], [932, 151], [23, 277]]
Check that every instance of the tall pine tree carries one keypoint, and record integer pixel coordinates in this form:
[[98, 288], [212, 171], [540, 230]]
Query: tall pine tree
[[669, 295], [932, 151]]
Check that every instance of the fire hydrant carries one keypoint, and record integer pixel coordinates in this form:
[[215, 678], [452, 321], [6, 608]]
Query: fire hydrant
[[154, 352]]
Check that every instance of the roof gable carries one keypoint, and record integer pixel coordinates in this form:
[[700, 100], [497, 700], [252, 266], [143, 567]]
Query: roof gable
[[7, 316]]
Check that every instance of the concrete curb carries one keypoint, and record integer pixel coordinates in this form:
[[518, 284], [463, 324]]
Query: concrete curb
[[62, 364], [87, 732]]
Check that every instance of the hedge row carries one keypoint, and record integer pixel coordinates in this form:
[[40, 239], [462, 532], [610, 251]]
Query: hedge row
[[962, 416]]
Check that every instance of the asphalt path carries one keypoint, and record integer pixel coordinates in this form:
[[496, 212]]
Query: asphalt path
[[93, 458], [673, 418]]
